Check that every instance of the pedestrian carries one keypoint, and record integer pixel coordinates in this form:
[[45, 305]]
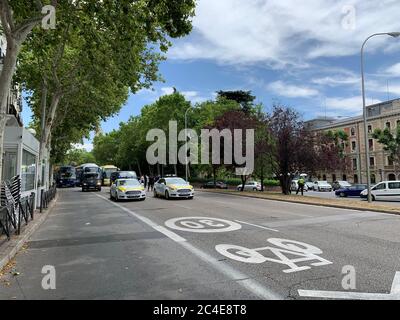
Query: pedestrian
[[146, 179], [300, 183], [142, 179], [151, 183]]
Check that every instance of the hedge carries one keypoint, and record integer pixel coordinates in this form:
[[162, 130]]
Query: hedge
[[234, 181]]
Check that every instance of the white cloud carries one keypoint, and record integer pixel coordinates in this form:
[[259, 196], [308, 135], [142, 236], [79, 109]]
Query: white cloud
[[291, 91], [167, 90], [285, 32], [394, 70], [352, 105], [334, 81]]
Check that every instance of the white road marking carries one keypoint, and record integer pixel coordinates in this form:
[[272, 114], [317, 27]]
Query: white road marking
[[242, 279], [256, 225], [303, 251], [393, 295], [202, 224]]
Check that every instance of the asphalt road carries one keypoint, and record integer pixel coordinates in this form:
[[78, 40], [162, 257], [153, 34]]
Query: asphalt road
[[139, 250]]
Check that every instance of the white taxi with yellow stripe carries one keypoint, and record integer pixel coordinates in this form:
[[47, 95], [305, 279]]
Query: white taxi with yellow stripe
[[127, 189], [173, 188]]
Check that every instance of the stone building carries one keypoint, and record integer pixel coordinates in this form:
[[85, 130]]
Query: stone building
[[382, 115]]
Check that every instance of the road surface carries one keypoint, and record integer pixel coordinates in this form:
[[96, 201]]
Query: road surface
[[213, 247]]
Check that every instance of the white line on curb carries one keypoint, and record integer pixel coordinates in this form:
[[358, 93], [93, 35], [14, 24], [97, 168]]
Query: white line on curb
[[224, 268]]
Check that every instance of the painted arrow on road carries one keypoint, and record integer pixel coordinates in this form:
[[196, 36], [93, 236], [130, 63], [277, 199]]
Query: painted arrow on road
[[393, 295]]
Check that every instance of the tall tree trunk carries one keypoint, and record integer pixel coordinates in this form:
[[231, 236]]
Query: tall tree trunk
[[7, 72], [262, 178]]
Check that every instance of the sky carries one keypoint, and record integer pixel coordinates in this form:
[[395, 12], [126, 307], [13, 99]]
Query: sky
[[302, 54]]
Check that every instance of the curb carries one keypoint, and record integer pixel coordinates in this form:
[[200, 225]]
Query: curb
[[13, 246], [310, 204]]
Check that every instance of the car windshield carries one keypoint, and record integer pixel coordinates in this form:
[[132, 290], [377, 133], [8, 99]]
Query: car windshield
[[127, 174], [129, 183], [107, 172], [175, 181]]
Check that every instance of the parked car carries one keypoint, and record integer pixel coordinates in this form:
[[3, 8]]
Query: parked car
[[250, 186], [310, 185], [351, 191], [295, 185], [384, 190], [340, 185], [218, 185], [127, 189], [122, 175], [173, 187], [322, 186]]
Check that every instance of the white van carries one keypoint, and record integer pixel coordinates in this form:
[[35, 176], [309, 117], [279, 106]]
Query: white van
[[388, 190]]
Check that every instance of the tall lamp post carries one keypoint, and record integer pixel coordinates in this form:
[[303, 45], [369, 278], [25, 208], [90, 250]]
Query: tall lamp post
[[186, 150], [394, 35]]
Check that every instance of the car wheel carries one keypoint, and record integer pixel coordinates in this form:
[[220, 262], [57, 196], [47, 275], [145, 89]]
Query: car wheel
[[342, 195], [373, 198], [254, 189], [167, 195]]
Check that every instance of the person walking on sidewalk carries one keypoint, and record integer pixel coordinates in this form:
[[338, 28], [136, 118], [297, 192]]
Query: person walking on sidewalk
[[301, 183], [151, 183]]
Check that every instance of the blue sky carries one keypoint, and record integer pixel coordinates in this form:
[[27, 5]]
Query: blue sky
[[306, 56]]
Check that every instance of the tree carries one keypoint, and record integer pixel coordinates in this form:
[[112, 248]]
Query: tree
[[236, 120], [77, 157], [105, 148], [98, 51], [391, 144], [18, 18], [244, 98], [294, 149]]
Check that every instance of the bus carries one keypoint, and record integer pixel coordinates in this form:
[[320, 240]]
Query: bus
[[91, 177], [107, 170], [66, 177]]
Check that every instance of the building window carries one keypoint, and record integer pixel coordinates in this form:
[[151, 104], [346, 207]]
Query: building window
[[344, 177], [398, 123], [387, 125], [372, 161], [334, 177], [373, 179], [355, 164], [9, 164], [353, 146], [392, 177], [390, 161], [369, 129], [353, 131], [28, 171], [371, 144], [324, 177], [355, 178]]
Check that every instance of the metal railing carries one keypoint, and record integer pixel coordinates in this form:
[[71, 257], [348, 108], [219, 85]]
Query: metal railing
[[12, 216], [14, 213], [46, 197]]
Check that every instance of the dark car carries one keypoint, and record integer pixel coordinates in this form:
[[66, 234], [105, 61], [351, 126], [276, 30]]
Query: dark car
[[218, 185], [352, 191], [122, 175]]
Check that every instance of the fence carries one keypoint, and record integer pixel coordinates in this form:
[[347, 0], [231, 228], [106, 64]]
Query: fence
[[15, 210]]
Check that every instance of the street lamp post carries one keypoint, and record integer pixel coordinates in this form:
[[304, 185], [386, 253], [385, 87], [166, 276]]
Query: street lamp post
[[186, 157], [394, 35]]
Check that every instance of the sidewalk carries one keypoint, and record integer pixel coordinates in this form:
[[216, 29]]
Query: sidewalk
[[334, 203], [8, 249]]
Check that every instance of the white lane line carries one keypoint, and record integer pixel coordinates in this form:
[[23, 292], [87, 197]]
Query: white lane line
[[251, 285], [255, 225]]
